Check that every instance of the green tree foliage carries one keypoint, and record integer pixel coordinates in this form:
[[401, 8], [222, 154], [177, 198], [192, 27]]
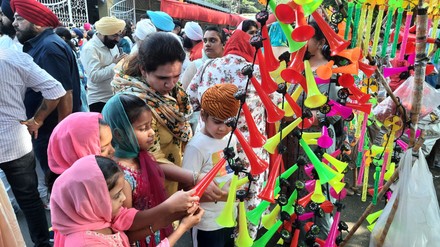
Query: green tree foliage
[[239, 6]]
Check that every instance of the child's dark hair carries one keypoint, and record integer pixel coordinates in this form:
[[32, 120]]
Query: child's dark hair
[[133, 106], [51, 176], [247, 24], [110, 170]]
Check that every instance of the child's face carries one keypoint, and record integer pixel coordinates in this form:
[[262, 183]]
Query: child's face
[[143, 131], [117, 196], [214, 127], [105, 139]]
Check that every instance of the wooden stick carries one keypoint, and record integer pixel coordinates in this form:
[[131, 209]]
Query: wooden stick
[[419, 78], [370, 208]]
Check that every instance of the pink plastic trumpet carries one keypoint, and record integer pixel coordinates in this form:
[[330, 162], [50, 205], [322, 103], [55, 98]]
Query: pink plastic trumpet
[[331, 238], [325, 141], [336, 108]]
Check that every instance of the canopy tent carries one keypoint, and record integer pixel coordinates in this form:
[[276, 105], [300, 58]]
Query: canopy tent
[[181, 10]]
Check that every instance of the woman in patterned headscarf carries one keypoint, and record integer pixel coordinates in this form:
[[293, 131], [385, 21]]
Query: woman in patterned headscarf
[[153, 76]]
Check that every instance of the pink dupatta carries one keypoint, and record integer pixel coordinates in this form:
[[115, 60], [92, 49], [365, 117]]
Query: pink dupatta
[[80, 201]]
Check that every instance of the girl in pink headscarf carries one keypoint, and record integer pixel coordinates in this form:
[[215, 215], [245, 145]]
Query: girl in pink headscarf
[[86, 133], [86, 206]]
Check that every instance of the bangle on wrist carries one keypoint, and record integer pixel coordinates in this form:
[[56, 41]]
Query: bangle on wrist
[[151, 229], [35, 121]]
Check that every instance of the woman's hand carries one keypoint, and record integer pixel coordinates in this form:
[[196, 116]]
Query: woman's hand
[[193, 218], [182, 201]]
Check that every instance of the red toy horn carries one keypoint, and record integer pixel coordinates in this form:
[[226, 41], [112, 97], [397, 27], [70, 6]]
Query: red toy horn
[[271, 62], [303, 31], [207, 179], [360, 107], [274, 114], [256, 139], [267, 193], [337, 44], [367, 69], [267, 83], [257, 164], [347, 81]]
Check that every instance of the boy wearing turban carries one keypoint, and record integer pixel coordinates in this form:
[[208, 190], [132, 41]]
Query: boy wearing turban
[[204, 151], [99, 56]]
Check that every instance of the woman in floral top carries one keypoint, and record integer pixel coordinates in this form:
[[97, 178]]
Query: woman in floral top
[[153, 75], [227, 69]]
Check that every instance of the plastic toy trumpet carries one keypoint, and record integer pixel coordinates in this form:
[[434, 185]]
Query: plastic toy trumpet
[[256, 139], [273, 142], [377, 30], [331, 238], [254, 215], [243, 238], [361, 25], [287, 30], [368, 27], [390, 14], [396, 34], [274, 114], [336, 43], [226, 217], [348, 19], [257, 164], [303, 31], [206, 180], [267, 193], [267, 83], [357, 17], [323, 174], [314, 98]]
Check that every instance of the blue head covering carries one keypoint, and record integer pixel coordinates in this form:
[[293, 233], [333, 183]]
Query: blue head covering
[[277, 37], [124, 140], [161, 20], [6, 9], [78, 33]]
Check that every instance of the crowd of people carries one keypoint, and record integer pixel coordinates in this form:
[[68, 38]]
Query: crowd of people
[[125, 119]]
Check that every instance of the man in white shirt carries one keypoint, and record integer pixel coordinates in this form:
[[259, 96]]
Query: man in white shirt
[[99, 57], [19, 73], [8, 41]]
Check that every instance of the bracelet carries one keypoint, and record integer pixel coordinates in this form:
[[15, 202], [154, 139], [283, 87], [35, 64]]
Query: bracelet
[[35, 121], [151, 229], [195, 177]]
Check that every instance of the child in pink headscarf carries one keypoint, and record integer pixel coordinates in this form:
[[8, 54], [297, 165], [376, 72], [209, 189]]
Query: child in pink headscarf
[[86, 133], [86, 206]]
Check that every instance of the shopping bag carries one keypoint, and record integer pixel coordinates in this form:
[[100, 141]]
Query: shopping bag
[[417, 219]]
